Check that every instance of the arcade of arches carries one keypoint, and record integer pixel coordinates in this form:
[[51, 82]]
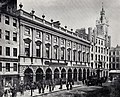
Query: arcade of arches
[[76, 74]]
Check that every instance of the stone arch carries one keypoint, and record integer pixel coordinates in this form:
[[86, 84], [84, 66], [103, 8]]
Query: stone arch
[[75, 74], [39, 74], [69, 74], [80, 74], [63, 74], [84, 74], [28, 75], [48, 74], [56, 73]]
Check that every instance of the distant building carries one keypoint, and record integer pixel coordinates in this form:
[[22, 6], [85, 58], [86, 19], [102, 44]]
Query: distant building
[[100, 45], [114, 61], [9, 42]]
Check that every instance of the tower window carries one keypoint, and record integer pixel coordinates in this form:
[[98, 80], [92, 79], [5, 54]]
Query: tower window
[[0, 50], [0, 66], [15, 52], [14, 36], [14, 66]]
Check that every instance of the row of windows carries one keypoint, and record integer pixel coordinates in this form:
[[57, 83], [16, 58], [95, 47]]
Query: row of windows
[[113, 59], [48, 37], [55, 52], [7, 67], [100, 42], [7, 35], [7, 50], [114, 66], [7, 21], [97, 57], [96, 65], [114, 53], [99, 49]]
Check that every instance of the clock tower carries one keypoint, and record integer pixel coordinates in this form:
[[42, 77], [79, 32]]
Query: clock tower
[[102, 23]]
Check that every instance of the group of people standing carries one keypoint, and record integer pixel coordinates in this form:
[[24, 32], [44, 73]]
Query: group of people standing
[[41, 85]]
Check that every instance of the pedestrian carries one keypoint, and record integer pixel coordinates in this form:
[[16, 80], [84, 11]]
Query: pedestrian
[[67, 85], [50, 85], [53, 84], [6, 93], [21, 88], [60, 83], [1, 90], [39, 84], [14, 90]]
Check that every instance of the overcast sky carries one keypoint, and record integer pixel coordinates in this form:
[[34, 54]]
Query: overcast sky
[[76, 14]]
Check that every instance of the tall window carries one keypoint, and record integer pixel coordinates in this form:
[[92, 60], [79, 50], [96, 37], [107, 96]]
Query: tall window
[[27, 50], [7, 51], [47, 52], [0, 33], [38, 34], [38, 51], [99, 49], [14, 36], [55, 53], [7, 67], [7, 20], [79, 56], [117, 59], [7, 35], [96, 48], [69, 55], [14, 66], [117, 52], [15, 52], [15, 22], [74, 55], [83, 57], [92, 48], [27, 30], [62, 54], [0, 50], [96, 57], [91, 56], [0, 66]]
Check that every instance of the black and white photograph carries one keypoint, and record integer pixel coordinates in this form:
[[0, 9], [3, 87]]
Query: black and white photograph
[[59, 48]]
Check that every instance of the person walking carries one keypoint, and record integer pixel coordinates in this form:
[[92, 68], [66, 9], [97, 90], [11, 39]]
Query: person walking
[[14, 90], [39, 84], [1, 90], [60, 83], [21, 88]]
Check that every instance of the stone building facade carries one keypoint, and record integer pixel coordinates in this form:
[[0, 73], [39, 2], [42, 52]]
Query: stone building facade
[[9, 42], [51, 51]]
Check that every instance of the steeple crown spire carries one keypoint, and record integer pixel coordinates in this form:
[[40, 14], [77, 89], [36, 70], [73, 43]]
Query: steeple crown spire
[[103, 11]]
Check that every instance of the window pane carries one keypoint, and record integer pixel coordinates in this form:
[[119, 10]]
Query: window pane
[[7, 51], [7, 35], [6, 20], [14, 51], [0, 50], [14, 66], [14, 36], [0, 66], [7, 67], [14, 22]]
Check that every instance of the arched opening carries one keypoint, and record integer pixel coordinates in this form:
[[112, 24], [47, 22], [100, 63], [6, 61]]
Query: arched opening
[[80, 75], [56, 74], [48, 74], [63, 75], [28, 75], [69, 75], [84, 74], [75, 74], [39, 74], [88, 73]]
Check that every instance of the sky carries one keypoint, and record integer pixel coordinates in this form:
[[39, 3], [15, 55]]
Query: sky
[[76, 14]]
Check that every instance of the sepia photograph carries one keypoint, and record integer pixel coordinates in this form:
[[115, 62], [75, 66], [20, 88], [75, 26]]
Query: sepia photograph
[[59, 48]]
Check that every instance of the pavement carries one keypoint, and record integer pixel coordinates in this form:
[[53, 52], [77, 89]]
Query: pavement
[[80, 86]]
